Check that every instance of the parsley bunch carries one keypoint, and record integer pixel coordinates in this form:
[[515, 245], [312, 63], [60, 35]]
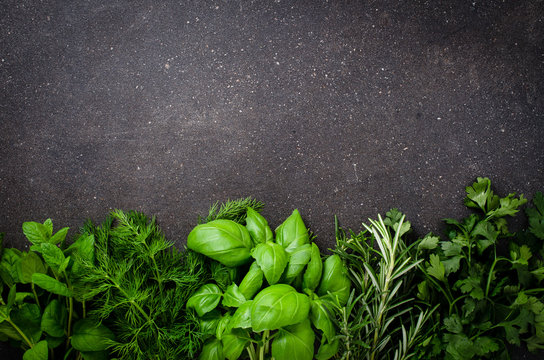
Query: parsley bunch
[[486, 279]]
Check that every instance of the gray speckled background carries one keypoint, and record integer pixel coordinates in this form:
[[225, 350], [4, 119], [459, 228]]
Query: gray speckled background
[[346, 108]]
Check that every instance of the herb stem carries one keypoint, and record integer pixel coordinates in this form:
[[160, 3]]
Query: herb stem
[[491, 274], [25, 338], [35, 295]]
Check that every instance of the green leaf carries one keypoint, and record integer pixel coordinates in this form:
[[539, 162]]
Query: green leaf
[[478, 194], [314, 270], [209, 322], [48, 225], [485, 345], [52, 285], [233, 297], [277, 306], [35, 232], [252, 282], [205, 299], [508, 206], [212, 350], [222, 326], [234, 344], [12, 296], [53, 256], [4, 312], [292, 233], [536, 216], [272, 260], [53, 342], [321, 318], [95, 355], [89, 336], [334, 280], [297, 261], [31, 264], [222, 240], [242, 316], [327, 350], [453, 324], [459, 346], [295, 342], [54, 318], [28, 318], [10, 266], [435, 268], [59, 236], [489, 233], [452, 264], [429, 242], [472, 285], [38, 352], [258, 227]]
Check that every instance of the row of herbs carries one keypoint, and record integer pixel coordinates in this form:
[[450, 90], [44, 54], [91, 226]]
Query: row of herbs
[[121, 290]]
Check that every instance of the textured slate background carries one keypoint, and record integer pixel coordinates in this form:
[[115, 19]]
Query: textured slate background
[[346, 108]]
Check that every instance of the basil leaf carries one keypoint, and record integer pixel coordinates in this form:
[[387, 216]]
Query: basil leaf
[[327, 350], [272, 260], [252, 282], [321, 318], [89, 336], [334, 280], [233, 297], [222, 326], [212, 350], [205, 299], [297, 261], [209, 322], [242, 316], [312, 275], [54, 319], [222, 240], [277, 306], [295, 342], [292, 233], [234, 344], [258, 227], [52, 285], [38, 352]]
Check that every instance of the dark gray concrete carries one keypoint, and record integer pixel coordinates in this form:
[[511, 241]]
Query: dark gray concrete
[[346, 108]]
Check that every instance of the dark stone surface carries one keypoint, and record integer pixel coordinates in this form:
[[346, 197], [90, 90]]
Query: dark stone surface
[[334, 108]]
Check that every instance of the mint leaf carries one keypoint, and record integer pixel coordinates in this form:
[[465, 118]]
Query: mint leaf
[[36, 232]]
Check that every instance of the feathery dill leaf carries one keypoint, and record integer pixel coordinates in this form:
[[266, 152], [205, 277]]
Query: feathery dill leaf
[[139, 284], [234, 210]]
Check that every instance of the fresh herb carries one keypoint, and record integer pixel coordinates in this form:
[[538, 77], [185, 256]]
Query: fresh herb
[[39, 308], [139, 285], [378, 321], [272, 310], [487, 299]]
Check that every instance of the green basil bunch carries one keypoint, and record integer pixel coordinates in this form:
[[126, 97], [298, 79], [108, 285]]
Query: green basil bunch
[[282, 305]]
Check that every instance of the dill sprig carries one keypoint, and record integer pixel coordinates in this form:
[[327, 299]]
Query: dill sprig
[[234, 210], [139, 284]]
